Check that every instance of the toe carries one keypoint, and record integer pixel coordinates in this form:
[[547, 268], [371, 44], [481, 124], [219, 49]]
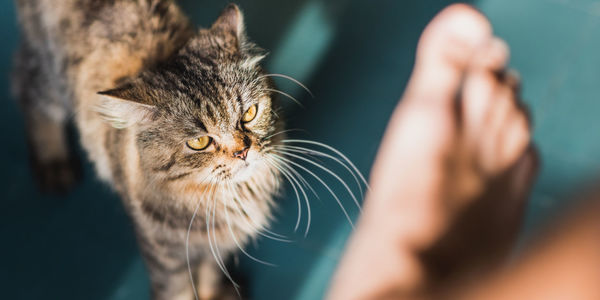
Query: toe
[[444, 52], [487, 137], [509, 125], [480, 89], [525, 171], [515, 139], [492, 56], [484, 80], [504, 142], [521, 177], [512, 78]]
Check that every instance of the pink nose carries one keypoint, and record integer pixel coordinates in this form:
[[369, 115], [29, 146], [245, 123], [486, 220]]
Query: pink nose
[[242, 154]]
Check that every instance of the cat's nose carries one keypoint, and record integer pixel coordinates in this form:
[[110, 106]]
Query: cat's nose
[[242, 154]]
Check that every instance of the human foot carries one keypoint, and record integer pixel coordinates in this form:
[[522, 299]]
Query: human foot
[[453, 169]]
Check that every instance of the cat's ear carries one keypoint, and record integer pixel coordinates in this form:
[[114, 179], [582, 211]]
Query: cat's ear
[[125, 105], [231, 20]]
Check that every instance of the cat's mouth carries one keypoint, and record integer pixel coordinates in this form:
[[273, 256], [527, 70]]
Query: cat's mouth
[[237, 170]]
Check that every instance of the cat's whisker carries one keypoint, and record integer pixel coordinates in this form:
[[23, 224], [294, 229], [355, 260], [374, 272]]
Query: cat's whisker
[[300, 177], [296, 177], [217, 252], [233, 236], [326, 170], [187, 242], [339, 202], [304, 182], [208, 231], [284, 173], [289, 78], [235, 285], [286, 95], [259, 229], [248, 216], [284, 168], [207, 220], [280, 132], [308, 151], [300, 141]]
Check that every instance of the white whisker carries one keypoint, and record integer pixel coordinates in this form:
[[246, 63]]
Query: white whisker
[[308, 151], [280, 132], [285, 167], [210, 241], [286, 95], [334, 151], [291, 79], [257, 227], [284, 173], [329, 172], [235, 239], [304, 182], [218, 252], [187, 244], [323, 183]]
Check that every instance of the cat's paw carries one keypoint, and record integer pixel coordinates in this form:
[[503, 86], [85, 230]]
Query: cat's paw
[[228, 292], [225, 292], [56, 176]]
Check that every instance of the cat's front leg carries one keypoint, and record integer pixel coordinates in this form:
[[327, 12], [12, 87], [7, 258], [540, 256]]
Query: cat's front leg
[[211, 284], [209, 278], [169, 277], [169, 271], [54, 163]]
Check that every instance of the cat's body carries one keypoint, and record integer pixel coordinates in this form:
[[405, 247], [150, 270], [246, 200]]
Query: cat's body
[[163, 84]]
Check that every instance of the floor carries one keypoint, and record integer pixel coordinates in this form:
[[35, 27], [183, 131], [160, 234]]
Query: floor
[[356, 57]]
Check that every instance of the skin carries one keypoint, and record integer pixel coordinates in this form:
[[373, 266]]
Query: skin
[[424, 237], [563, 264], [462, 142]]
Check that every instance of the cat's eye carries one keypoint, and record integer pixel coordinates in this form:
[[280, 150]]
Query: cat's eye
[[200, 143], [250, 114]]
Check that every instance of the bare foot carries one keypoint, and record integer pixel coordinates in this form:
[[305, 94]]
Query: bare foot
[[453, 170]]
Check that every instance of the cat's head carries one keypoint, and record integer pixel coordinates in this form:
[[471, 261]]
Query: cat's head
[[207, 114]]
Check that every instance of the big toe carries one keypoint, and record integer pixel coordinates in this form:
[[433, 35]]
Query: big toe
[[445, 50]]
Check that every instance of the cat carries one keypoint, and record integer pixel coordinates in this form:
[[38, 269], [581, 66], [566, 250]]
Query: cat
[[179, 121]]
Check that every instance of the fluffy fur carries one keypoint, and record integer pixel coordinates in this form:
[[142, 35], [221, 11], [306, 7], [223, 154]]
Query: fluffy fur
[[138, 81]]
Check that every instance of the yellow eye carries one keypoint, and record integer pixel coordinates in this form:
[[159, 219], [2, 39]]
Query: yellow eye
[[200, 143], [250, 114]]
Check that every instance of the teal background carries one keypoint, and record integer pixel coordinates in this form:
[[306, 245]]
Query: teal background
[[356, 57]]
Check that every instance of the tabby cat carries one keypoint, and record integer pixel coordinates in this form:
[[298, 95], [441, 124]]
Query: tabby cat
[[178, 121]]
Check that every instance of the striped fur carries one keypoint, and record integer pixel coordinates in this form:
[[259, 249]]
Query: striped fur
[[138, 82]]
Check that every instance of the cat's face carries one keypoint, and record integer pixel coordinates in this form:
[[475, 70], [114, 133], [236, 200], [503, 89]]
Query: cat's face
[[205, 116], [217, 130]]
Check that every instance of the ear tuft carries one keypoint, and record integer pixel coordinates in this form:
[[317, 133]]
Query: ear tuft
[[231, 20], [123, 106], [129, 91], [251, 61]]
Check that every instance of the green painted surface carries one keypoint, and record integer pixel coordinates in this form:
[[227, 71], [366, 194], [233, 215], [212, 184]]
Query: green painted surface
[[356, 57]]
